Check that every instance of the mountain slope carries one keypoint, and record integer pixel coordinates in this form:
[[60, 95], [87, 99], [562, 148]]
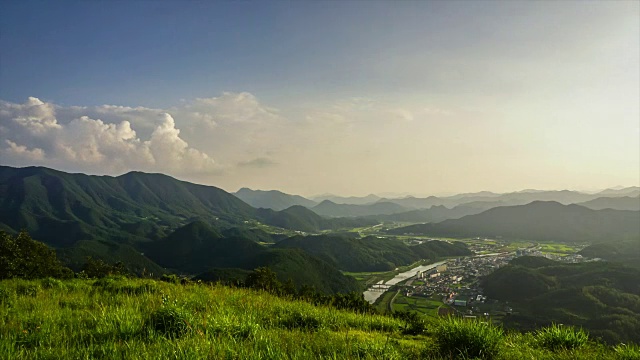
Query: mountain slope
[[540, 221], [370, 253], [616, 203], [602, 297], [272, 199], [331, 209]]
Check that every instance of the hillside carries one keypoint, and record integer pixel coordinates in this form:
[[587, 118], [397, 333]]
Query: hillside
[[272, 199], [354, 200], [432, 214], [626, 252], [197, 248], [300, 218], [146, 319], [603, 298], [331, 209], [539, 221], [370, 253], [616, 203]]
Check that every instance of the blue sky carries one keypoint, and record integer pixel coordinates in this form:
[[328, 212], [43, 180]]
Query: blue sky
[[360, 86]]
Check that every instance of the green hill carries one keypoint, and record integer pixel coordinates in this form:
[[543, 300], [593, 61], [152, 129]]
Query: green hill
[[300, 218], [602, 297], [196, 248], [539, 221], [370, 253], [626, 252], [146, 319]]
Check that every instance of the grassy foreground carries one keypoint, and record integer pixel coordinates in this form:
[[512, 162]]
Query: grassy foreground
[[146, 319]]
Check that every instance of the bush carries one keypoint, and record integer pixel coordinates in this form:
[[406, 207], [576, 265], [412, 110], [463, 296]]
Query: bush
[[460, 338], [558, 337], [169, 321], [415, 324]]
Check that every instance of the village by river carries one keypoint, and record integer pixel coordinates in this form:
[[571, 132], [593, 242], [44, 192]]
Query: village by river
[[373, 293]]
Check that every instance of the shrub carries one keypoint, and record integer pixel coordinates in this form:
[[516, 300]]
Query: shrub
[[558, 337], [27, 289], [460, 338], [300, 320], [169, 321], [415, 324]]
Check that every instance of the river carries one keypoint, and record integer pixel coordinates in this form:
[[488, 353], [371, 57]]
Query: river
[[372, 295]]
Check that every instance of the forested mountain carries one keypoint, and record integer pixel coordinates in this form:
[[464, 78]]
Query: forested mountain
[[61, 208], [354, 200], [272, 199], [626, 252], [196, 248], [138, 216], [539, 221], [370, 253], [616, 203], [300, 218], [331, 209], [602, 297]]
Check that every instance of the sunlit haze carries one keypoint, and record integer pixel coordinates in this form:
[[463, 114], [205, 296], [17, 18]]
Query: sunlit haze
[[348, 98]]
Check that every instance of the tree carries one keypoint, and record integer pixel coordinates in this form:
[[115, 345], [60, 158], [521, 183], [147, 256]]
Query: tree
[[265, 279], [23, 257], [96, 268]]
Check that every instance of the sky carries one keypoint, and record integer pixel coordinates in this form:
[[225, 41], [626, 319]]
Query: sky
[[349, 98]]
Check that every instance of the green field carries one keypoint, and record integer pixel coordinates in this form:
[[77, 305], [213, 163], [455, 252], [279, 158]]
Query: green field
[[425, 306]]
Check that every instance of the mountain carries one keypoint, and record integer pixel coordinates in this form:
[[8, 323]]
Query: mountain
[[489, 199], [616, 203], [601, 297], [354, 200], [331, 209], [621, 191], [300, 218], [110, 217], [432, 214], [626, 252], [539, 221], [272, 199], [61, 208], [198, 248], [370, 253]]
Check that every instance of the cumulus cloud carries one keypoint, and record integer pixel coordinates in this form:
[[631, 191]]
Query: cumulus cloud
[[34, 134]]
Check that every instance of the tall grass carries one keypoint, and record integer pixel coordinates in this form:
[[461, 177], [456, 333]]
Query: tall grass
[[145, 319], [561, 337], [461, 338]]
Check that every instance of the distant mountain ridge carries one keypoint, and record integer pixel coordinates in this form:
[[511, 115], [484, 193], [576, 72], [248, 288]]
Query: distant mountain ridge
[[331, 209], [539, 221], [272, 199]]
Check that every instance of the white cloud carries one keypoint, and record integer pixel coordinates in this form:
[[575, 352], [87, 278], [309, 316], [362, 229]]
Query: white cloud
[[22, 152], [34, 134]]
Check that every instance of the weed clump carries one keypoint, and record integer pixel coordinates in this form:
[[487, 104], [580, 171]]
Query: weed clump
[[627, 351], [558, 337], [460, 338], [169, 321], [27, 289]]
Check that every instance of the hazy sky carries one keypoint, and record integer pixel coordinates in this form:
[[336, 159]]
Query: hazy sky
[[326, 96]]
